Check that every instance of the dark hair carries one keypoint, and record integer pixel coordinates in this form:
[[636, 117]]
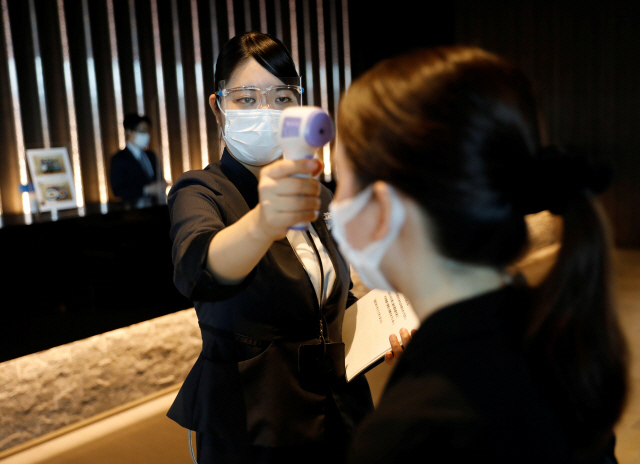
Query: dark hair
[[265, 49], [456, 128], [132, 120]]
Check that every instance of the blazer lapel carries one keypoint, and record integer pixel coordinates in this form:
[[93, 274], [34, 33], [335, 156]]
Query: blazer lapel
[[135, 164]]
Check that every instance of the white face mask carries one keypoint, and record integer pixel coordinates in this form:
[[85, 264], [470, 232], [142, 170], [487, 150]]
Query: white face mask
[[141, 140], [252, 135], [366, 262]]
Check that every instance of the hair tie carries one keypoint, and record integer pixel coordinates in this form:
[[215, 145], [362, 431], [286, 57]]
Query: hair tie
[[556, 175]]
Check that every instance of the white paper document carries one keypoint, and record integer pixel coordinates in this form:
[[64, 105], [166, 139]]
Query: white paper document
[[367, 326]]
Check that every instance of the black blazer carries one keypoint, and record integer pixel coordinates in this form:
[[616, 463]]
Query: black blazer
[[127, 175], [244, 386], [462, 392]]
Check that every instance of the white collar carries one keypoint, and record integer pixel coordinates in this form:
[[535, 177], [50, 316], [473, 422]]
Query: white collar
[[135, 150]]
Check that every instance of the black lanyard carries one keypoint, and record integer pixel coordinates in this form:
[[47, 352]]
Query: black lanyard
[[315, 249]]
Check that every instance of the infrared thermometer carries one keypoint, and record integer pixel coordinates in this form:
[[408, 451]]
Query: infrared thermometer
[[302, 130]]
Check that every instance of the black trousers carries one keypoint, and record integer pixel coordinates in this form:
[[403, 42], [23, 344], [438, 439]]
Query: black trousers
[[213, 450]]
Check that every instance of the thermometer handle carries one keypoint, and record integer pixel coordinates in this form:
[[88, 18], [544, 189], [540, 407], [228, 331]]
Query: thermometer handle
[[300, 225]]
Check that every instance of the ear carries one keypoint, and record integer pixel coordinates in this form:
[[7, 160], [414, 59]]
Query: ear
[[215, 109], [383, 202]]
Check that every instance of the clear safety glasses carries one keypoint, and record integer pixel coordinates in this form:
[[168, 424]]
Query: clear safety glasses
[[277, 97]]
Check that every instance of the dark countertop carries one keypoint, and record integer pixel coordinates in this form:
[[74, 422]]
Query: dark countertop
[[80, 276]]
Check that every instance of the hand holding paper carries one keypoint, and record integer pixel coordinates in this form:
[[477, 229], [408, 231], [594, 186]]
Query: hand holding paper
[[367, 325], [397, 347]]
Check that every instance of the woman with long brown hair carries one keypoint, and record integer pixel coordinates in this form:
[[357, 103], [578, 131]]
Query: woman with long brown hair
[[439, 159]]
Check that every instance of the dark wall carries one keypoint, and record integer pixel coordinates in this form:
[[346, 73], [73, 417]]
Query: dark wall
[[581, 57], [381, 29], [81, 276]]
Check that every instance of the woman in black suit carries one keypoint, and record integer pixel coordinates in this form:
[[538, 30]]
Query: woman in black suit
[[269, 384], [439, 159]]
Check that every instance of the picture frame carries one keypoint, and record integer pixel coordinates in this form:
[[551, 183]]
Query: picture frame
[[52, 178]]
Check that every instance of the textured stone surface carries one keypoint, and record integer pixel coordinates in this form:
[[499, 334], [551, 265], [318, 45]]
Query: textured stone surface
[[544, 229], [45, 391]]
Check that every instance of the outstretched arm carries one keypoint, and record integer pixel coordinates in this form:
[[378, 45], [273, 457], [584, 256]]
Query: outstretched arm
[[284, 201]]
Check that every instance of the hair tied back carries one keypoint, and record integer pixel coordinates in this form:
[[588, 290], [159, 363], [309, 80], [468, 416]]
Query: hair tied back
[[557, 174]]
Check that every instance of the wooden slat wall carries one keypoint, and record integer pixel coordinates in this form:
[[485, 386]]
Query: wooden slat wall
[[213, 27]]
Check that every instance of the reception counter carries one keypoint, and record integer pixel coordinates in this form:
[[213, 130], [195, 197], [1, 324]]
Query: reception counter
[[79, 276]]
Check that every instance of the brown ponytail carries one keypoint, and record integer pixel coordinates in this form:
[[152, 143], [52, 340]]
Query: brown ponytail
[[573, 338]]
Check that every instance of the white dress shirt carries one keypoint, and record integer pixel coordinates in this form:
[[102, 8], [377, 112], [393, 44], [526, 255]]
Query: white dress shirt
[[300, 243]]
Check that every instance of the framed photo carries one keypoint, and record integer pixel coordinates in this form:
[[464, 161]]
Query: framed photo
[[52, 178]]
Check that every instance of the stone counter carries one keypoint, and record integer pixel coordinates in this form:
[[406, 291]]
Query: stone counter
[[46, 391]]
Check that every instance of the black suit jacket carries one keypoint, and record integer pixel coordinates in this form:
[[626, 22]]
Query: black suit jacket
[[245, 387], [462, 392], [127, 175]]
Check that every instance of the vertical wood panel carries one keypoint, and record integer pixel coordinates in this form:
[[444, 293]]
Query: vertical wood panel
[[76, 126], [180, 88], [346, 44], [308, 76], [278, 19], [52, 63], [162, 103], [211, 30], [9, 168], [190, 91], [335, 58], [293, 28], [103, 196], [42, 98], [198, 70], [135, 50], [231, 19], [16, 110]]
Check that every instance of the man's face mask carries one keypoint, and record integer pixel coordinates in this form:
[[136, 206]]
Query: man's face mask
[[141, 140]]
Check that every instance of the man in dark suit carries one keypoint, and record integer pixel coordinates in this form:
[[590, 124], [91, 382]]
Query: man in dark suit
[[134, 170]]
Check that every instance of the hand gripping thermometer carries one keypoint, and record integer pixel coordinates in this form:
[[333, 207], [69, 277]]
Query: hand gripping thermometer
[[301, 131]]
